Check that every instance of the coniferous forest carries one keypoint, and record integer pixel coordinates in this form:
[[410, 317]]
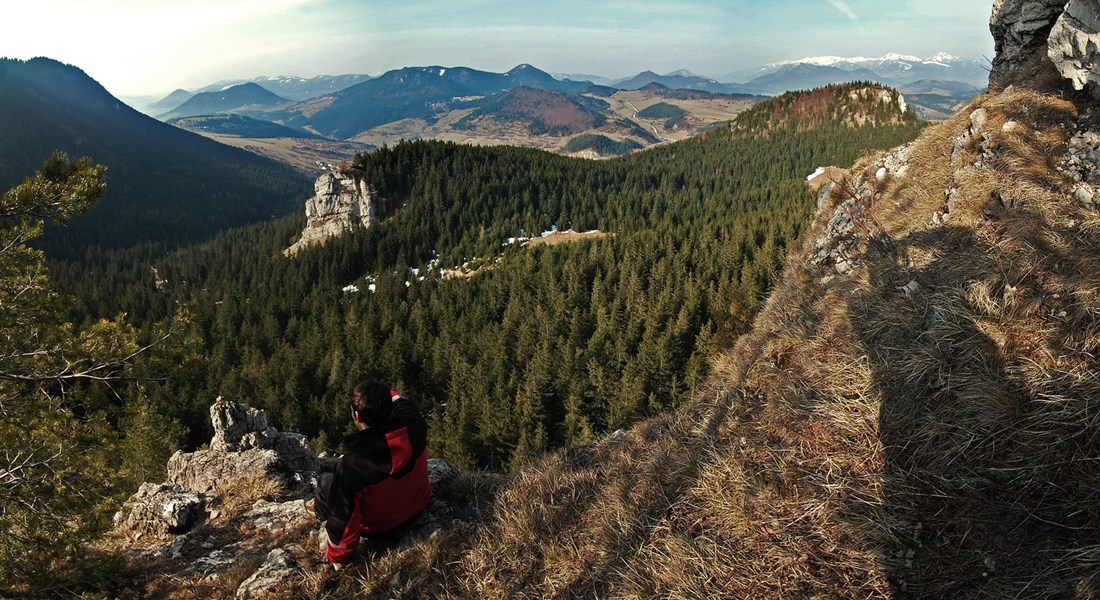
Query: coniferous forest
[[541, 346]]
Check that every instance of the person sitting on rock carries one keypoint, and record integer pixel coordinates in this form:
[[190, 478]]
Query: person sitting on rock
[[381, 483]]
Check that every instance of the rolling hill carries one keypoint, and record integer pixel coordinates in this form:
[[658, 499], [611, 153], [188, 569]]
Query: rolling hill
[[238, 98], [164, 184], [238, 125]]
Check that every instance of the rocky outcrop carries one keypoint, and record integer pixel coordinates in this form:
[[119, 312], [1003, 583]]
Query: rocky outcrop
[[1020, 29], [186, 528], [342, 201], [1074, 45], [851, 220], [244, 447]]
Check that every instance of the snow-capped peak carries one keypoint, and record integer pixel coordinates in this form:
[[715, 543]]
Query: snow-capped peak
[[824, 61], [941, 58]]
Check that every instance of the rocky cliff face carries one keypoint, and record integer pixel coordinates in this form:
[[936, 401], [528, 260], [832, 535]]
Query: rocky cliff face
[[1038, 40], [342, 201]]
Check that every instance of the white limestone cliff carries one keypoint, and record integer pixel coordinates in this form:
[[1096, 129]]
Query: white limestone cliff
[[342, 201]]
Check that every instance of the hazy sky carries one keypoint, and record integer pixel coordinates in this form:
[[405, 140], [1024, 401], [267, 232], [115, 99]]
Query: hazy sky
[[153, 46]]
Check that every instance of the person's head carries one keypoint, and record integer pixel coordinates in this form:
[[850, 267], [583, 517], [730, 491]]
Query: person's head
[[371, 403]]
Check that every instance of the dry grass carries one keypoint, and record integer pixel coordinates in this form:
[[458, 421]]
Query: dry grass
[[235, 499]]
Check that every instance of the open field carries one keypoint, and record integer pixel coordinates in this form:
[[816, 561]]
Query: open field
[[306, 155]]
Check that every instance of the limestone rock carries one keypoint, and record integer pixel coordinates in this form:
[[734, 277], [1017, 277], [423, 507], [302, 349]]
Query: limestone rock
[[244, 446], [161, 508], [1074, 45], [849, 220], [277, 516], [342, 201], [1020, 29], [278, 565]]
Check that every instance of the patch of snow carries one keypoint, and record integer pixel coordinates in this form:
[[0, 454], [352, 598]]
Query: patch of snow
[[372, 288], [819, 171], [350, 289], [905, 57]]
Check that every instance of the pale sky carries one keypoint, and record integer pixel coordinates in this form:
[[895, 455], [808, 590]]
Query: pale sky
[[136, 47]]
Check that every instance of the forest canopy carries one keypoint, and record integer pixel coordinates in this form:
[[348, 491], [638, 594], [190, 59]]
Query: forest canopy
[[542, 346]]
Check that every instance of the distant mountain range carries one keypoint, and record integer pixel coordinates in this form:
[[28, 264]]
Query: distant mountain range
[[164, 184], [528, 106], [238, 98], [898, 69], [681, 79], [293, 88]]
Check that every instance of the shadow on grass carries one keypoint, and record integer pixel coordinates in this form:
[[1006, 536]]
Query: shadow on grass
[[991, 478]]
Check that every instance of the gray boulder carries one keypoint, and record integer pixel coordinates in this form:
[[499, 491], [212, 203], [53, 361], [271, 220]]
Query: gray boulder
[[161, 508]]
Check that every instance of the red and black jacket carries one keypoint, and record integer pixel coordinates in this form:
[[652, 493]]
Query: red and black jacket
[[380, 482]]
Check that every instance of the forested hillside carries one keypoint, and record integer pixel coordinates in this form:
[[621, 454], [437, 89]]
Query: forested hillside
[[164, 185], [541, 347]]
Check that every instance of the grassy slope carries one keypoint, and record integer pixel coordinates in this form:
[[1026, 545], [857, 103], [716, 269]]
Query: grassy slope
[[860, 441]]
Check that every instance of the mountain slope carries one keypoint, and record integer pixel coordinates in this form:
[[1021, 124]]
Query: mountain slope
[[849, 103], [541, 112], [164, 184], [899, 68], [238, 125], [170, 102]]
